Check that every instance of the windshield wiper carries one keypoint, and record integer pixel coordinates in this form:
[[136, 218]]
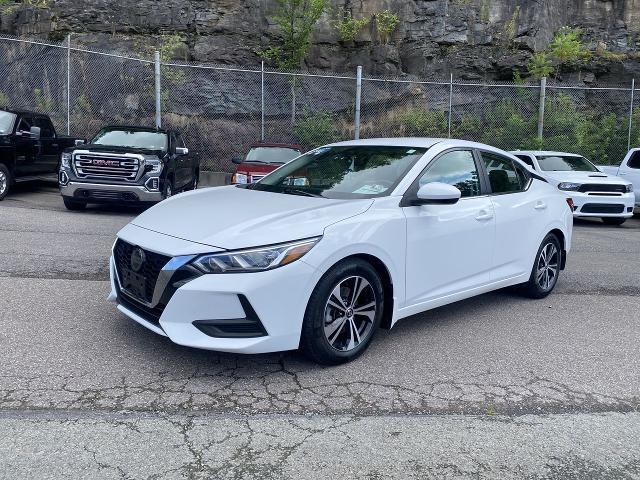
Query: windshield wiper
[[295, 191]]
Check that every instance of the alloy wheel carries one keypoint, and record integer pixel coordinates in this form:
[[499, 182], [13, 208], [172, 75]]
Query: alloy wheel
[[547, 267], [349, 313], [3, 183]]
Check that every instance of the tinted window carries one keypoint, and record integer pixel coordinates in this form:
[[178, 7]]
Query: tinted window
[[503, 176], [565, 163], [46, 128], [144, 139], [6, 122], [634, 161], [272, 154], [25, 124], [527, 160], [455, 168], [357, 171]]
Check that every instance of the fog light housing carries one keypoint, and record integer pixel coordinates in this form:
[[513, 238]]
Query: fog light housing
[[153, 184], [63, 178]]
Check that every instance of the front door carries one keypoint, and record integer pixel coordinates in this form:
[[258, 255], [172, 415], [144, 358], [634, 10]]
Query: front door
[[449, 247]]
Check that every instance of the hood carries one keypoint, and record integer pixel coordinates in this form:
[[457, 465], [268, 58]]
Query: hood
[[231, 217], [584, 177], [115, 149]]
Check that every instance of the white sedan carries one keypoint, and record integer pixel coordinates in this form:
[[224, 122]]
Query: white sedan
[[337, 243]]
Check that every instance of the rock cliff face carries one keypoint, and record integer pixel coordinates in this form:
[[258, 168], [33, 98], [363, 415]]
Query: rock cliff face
[[473, 39]]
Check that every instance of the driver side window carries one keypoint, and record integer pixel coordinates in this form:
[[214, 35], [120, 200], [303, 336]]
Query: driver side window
[[457, 168]]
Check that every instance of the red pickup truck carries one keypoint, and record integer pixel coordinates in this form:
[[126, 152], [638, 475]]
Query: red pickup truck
[[263, 158]]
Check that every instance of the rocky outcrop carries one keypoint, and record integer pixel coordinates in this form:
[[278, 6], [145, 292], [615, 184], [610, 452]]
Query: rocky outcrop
[[472, 39]]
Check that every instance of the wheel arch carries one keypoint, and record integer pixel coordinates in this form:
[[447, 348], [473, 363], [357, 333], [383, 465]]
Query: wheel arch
[[563, 244]]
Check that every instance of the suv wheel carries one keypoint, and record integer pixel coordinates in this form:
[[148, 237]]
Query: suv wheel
[[546, 269], [74, 205], [613, 220], [343, 314], [5, 181]]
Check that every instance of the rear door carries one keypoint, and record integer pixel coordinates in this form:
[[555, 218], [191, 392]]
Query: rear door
[[630, 170], [520, 215], [449, 247], [49, 152], [27, 148]]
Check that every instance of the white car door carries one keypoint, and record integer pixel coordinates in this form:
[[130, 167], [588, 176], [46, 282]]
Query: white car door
[[520, 213], [630, 171], [449, 247]]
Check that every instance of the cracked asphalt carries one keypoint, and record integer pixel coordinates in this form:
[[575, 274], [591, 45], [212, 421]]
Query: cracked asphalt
[[492, 387]]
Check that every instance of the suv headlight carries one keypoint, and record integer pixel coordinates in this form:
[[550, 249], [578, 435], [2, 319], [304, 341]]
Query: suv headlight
[[255, 259], [569, 186], [629, 188], [65, 160], [153, 165]]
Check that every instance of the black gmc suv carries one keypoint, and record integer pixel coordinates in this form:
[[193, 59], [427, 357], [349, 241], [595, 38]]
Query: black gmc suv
[[127, 165], [29, 147]]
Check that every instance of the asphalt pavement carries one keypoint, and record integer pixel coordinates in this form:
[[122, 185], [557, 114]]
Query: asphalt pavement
[[493, 387]]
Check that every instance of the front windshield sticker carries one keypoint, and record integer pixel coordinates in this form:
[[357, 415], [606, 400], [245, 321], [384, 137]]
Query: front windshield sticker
[[371, 189]]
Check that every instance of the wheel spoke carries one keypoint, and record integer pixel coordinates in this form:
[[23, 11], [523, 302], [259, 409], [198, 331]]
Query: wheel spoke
[[363, 284], [332, 331], [336, 298]]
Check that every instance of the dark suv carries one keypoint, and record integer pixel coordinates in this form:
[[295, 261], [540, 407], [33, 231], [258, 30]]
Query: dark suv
[[127, 165]]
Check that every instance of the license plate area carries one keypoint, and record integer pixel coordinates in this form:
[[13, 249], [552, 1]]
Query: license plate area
[[134, 284]]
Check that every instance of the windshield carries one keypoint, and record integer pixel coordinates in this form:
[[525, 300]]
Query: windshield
[[361, 171], [557, 163], [132, 138], [6, 122], [272, 154]]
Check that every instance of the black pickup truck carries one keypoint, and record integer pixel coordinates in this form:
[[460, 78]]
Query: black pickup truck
[[29, 147], [127, 165]]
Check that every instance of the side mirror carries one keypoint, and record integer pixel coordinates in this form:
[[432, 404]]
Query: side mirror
[[182, 151], [35, 133], [437, 193], [79, 142], [236, 160]]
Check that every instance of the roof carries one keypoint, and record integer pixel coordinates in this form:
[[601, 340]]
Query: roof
[[549, 153], [420, 142], [135, 127], [276, 145], [24, 112]]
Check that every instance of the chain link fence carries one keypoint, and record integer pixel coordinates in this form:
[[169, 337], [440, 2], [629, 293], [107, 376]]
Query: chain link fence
[[222, 111]]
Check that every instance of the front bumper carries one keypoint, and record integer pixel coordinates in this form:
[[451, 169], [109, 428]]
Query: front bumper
[[213, 312], [595, 205], [106, 193]]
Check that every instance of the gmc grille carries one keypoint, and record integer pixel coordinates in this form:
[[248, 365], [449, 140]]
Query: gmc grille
[[106, 167]]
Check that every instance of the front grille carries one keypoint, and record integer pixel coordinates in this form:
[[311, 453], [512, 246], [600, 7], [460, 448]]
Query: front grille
[[106, 195], [604, 187], [150, 268], [103, 167], [602, 208], [255, 178]]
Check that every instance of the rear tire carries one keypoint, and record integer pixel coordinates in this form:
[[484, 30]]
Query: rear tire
[[74, 205], [5, 181], [343, 313], [546, 269], [613, 220]]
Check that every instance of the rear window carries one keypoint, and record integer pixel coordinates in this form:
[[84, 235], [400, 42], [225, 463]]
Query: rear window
[[6, 122], [272, 154]]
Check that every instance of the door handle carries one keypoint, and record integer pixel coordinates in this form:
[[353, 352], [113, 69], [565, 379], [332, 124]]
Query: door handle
[[484, 215], [540, 206]]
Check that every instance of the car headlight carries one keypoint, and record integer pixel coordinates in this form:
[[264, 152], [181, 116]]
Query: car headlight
[[239, 178], [629, 188], [65, 160], [153, 165], [569, 186], [255, 259]]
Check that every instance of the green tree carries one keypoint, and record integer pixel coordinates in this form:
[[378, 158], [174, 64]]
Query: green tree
[[296, 20], [316, 129], [386, 23], [540, 65]]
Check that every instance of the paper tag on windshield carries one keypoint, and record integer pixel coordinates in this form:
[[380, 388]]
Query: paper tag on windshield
[[371, 189]]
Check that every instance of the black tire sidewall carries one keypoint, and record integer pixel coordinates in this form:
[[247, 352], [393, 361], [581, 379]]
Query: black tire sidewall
[[313, 341], [5, 170], [534, 289]]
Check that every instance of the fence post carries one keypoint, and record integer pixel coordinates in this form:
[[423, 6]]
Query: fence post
[[356, 130], [633, 91], [158, 90], [262, 102], [69, 84], [543, 97], [450, 104]]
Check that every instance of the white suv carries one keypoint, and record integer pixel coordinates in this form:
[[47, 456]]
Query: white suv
[[594, 193]]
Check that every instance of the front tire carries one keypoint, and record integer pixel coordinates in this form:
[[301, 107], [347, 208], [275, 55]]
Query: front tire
[[5, 181], [613, 220], [546, 269], [343, 313], [74, 205]]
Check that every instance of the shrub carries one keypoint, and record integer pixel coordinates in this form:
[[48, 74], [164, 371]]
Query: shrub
[[349, 27], [386, 23], [423, 123], [316, 129]]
